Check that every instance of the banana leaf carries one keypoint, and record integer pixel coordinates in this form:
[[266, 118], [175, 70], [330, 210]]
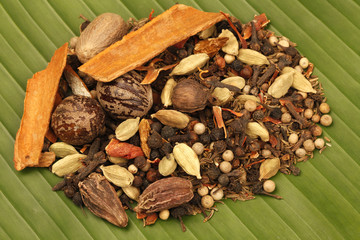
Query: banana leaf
[[321, 203]]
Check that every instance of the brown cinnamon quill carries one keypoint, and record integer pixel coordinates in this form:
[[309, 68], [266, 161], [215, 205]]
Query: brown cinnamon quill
[[40, 95], [136, 48]]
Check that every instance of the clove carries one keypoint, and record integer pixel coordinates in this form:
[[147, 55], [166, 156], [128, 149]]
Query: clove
[[254, 42], [255, 76], [268, 73], [305, 135]]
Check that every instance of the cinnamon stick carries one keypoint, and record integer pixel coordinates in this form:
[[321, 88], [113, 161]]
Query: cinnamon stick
[[136, 48]]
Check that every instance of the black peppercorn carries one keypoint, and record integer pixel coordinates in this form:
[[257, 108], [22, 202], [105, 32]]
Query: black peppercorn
[[276, 113], [154, 154], [205, 138], [258, 115], [223, 180], [140, 162], [220, 146], [213, 172], [166, 149], [235, 186], [137, 181], [226, 115], [156, 126], [167, 132], [155, 141], [217, 134], [135, 140], [237, 65]]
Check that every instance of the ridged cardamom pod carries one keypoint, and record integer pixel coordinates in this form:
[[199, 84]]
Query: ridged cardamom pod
[[252, 57], [127, 129], [190, 64], [69, 164], [254, 130], [299, 82], [164, 194], [167, 165], [101, 199], [118, 175], [236, 81], [186, 157], [132, 192], [281, 85], [222, 95], [232, 46], [62, 149], [167, 92], [172, 118], [269, 168]]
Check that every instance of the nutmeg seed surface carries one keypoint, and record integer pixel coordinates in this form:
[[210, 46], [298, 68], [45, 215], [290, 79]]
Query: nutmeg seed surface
[[78, 120]]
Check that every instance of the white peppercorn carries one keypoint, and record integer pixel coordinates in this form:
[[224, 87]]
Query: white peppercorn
[[266, 153], [269, 186], [309, 145], [300, 152], [203, 190], [324, 107], [228, 155], [308, 113], [319, 143], [164, 214], [286, 117], [225, 167], [293, 138], [198, 148], [326, 120], [207, 201], [315, 118], [199, 128]]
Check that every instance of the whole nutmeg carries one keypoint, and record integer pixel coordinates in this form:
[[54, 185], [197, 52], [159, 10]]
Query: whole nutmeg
[[78, 120], [125, 97], [189, 96], [103, 31]]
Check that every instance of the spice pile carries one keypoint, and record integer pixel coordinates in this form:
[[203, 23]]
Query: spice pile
[[212, 117]]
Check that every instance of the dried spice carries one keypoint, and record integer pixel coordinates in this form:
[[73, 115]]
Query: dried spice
[[127, 129], [252, 106], [101, 199], [39, 101], [132, 51]]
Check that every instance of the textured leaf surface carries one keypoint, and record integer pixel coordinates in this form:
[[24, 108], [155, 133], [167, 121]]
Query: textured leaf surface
[[322, 203]]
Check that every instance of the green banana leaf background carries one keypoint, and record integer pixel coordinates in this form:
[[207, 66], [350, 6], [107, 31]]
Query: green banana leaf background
[[321, 203]]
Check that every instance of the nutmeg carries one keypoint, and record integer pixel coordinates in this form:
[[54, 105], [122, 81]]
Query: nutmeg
[[103, 31], [78, 120], [125, 97], [189, 96]]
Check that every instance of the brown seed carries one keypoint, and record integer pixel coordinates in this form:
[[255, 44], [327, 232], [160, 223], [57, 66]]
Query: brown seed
[[246, 72]]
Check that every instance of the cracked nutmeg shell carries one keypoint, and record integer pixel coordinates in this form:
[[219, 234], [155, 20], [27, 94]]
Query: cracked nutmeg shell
[[189, 96], [125, 97], [78, 120], [164, 194]]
